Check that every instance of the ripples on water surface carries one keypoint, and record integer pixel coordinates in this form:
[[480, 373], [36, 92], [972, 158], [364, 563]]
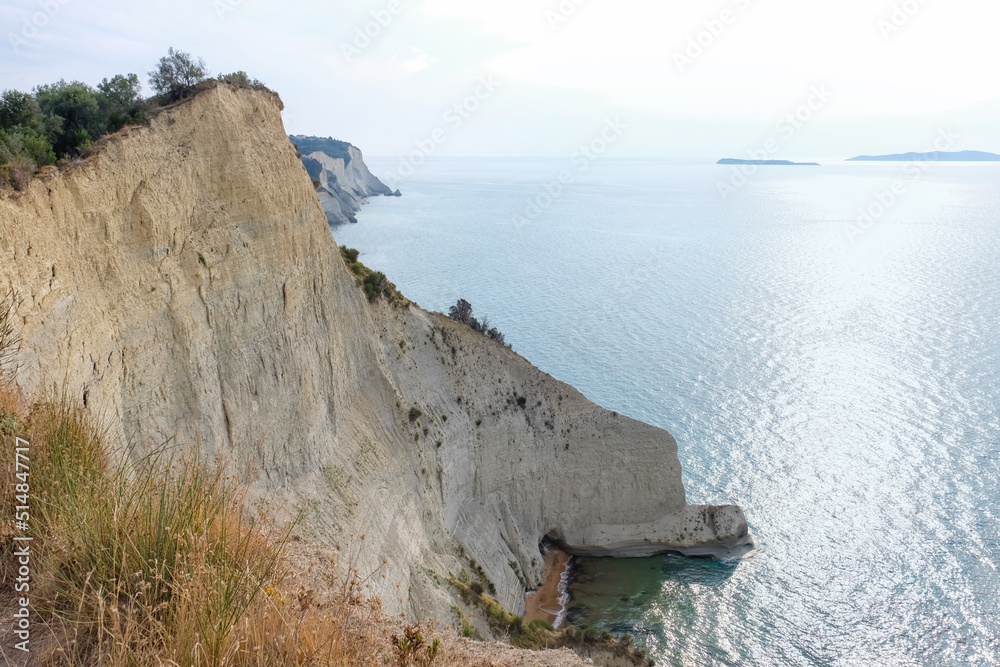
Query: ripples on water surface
[[844, 394]]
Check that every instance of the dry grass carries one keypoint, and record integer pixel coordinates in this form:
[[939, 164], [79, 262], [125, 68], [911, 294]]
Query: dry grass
[[157, 563]]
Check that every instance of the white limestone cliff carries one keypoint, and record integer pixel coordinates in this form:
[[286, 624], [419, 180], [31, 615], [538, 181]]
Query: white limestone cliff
[[183, 283], [345, 185]]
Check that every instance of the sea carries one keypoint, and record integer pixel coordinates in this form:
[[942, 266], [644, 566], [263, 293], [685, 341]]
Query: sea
[[824, 344]]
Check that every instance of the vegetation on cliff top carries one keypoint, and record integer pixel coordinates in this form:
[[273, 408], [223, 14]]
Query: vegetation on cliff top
[[62, 121], [335, 148]]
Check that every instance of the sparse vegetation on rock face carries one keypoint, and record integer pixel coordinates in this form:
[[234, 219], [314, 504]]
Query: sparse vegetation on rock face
[[538, 634], [374, 283], [462, 312]]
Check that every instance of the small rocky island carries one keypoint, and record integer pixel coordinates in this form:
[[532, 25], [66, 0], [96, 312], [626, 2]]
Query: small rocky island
[[767, 163], [934, 156]]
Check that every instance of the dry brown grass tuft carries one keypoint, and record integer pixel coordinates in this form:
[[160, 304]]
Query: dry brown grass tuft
[[159, 563]]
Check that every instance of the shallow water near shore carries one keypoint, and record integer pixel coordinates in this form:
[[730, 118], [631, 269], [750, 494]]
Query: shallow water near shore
[[843, 388]]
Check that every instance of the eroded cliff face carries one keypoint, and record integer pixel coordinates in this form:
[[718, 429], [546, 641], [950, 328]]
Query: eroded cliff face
[[183, 284]]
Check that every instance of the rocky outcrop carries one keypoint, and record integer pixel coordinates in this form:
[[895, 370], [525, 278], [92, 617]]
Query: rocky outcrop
[[344, 182], [183, 284]]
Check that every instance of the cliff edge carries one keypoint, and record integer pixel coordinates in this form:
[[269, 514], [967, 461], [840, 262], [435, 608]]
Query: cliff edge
[[183, 284]]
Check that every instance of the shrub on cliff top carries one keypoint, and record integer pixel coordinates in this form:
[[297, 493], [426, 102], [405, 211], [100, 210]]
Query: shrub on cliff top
[[121, 101], [176, 75], [241, 79]]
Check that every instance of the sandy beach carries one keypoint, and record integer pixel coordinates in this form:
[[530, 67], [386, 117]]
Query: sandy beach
[[543, 603]]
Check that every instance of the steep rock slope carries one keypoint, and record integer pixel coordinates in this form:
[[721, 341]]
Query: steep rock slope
[[183, 284]]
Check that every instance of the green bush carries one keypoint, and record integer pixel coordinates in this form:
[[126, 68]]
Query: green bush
[[64, 119], [240, 79], [350, 254], [79, 107], [176, 75], [374, 283]]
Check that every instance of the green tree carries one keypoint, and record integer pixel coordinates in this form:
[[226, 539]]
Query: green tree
[[176, 75], [17, 108], [79, 107], [24, 130], [120, 101], [461, 311]]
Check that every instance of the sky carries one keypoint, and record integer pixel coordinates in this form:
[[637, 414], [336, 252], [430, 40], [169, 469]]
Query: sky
[[679, 79]]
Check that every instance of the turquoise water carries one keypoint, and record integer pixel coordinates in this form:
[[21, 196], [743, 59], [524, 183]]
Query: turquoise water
[[843, 392]]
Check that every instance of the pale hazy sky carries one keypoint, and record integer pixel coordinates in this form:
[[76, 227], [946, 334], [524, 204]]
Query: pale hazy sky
[[688, 79]]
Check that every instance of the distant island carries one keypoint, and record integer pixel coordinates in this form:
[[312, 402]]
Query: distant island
[[940, 156], [767, 163]]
